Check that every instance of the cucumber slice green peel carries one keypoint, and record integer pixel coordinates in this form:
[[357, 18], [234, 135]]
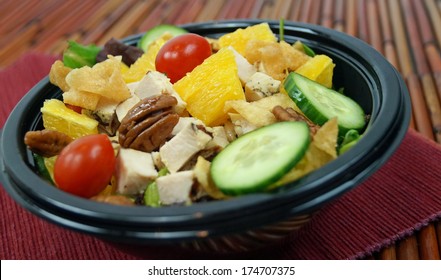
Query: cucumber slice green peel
[[154, 33], [259, 158], [321, 104]]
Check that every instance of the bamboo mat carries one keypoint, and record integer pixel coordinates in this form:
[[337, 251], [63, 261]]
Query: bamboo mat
[[406, 32]]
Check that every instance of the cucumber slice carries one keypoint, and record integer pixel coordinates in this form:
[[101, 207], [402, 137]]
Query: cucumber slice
[[321, 104], [156, 32], [259, 158]]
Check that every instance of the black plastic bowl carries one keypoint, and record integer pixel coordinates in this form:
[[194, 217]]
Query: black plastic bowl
[[366, 77]]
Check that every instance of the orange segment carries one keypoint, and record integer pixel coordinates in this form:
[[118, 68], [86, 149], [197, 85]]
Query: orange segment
[[320, 69], [124, 68], [209, 86], [56, 116], [240, 38], [146, 62], [50, 163]]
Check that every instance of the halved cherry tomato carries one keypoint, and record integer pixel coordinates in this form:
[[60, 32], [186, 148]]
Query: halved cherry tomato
[[85, 166], [74, 108], [181, 55]]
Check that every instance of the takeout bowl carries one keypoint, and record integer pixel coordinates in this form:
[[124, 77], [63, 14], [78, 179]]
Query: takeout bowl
[[241, 223]]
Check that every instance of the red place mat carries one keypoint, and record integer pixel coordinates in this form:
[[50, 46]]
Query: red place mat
[[399, 199]]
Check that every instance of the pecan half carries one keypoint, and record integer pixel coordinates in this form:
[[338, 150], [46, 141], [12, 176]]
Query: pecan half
[[149, 123], [289, 114], [47, 143]]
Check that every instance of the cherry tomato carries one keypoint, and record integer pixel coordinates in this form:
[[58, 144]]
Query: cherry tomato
[[85, 166], [74, 108], [181, 55]]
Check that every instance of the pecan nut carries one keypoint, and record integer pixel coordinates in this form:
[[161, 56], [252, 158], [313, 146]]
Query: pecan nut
[[289, 114], [47, 143], [149, 123]]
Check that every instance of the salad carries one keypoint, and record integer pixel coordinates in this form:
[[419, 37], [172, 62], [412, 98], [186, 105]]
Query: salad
[[182, 119]]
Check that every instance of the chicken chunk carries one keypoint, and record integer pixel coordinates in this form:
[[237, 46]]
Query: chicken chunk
[[132, 87], [134, 171], [219, 140], [261, 85], [175, 188], [185, 121], [124, 107], [178, 150], [244, 69], [156, 83]]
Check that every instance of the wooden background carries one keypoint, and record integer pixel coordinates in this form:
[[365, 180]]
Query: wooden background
[[406, 32]]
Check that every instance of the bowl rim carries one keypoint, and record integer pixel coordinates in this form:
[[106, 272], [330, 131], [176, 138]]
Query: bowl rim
[[289, 200]]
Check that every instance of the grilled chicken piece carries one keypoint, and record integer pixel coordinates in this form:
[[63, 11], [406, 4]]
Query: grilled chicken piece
[[134, 171], [105, 114], [175, 188], [244, 68], [132, 87], [219, 140], [124, 107], [178, 150], [261, 85], [218, 132], [156, 83], [185, 121]]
